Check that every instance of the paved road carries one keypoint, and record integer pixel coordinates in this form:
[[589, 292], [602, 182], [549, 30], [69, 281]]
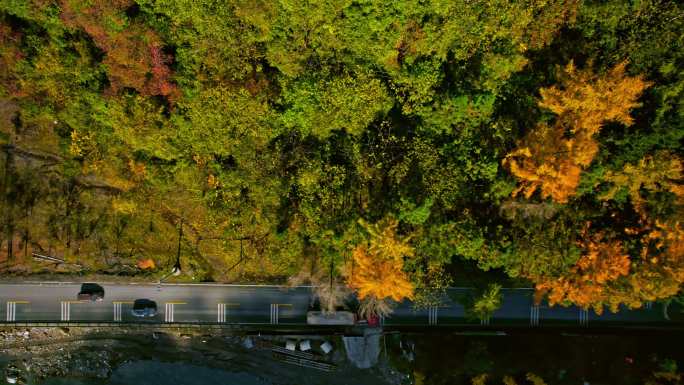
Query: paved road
[[176, 303], [245, 304]]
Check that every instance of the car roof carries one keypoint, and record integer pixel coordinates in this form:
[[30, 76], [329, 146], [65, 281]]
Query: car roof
[[89, 286], [144, 302]]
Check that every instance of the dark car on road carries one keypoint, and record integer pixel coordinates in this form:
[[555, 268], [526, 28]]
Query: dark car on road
[[144, 308], [91, 292]]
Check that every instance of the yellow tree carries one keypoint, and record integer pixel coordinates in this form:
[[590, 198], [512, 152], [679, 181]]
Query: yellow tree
[[379, 277], [535, 379], [657, 173], [659, 270], [480, 379], [550, 159], [544, 162], [376, 270]]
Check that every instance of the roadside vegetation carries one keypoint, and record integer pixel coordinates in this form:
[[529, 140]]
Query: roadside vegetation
[[388, 148]]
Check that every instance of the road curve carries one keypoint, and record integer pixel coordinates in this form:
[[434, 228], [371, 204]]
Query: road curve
[[256, 304]]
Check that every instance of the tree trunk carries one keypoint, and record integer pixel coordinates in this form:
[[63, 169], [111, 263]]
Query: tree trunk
[[9, 220], [27, 234]]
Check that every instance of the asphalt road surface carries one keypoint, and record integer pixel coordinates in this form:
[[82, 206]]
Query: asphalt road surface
[[252, 304]]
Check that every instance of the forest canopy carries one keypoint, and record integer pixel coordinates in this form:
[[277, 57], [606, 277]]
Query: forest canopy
[[399, 147]]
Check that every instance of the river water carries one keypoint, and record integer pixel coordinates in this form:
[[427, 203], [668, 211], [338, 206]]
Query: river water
[[160, 373]]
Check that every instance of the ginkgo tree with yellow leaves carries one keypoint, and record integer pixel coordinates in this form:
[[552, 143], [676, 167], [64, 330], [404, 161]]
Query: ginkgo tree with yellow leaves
[[376, 270], [550, 159]]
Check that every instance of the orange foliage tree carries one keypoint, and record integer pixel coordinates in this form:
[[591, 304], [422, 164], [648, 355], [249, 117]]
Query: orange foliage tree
[[550, 159], [145, 264], [377, 267], [586, 284], [606, 275]]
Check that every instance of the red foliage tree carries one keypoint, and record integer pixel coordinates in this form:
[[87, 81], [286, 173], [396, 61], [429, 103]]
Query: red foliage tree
[[134, 55], [9, 56]]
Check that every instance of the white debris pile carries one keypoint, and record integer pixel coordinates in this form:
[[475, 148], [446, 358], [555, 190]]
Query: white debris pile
[[326, 347], [291, 345]]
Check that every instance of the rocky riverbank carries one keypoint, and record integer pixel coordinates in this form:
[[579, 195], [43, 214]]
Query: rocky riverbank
[[41, 353]]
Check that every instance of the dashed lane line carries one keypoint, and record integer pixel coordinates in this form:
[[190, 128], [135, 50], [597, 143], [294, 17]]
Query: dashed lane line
[[118, 309], [432, 315], [534, 316], [275, 311], [169, 308], [584, 317], [66, 310], [223, 310], [12, 309]]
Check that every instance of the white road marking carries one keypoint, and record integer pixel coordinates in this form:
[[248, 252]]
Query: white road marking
[[221, 313], [534, 316], [11, 311], [168, 313], [584, 317], [170, 307], [432, 315], [117, 311], [66, 310], [274, 314]]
